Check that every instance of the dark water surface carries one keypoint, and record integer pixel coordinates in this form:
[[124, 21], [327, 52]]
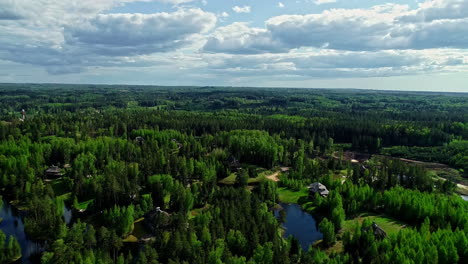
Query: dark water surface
[[299, 224], [12, 225]]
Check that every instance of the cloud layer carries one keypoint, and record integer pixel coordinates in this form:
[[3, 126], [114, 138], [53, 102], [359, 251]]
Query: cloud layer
[[73, 36], [132, 34], [435, 24]]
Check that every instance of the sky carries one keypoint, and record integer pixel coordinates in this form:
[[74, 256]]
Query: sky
[[368, 44]]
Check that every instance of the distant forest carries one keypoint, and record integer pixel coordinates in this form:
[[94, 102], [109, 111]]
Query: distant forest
[[193, 174]]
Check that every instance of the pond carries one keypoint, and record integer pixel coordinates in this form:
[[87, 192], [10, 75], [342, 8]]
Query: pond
[[464, 197], [12, 225], [299, 224]]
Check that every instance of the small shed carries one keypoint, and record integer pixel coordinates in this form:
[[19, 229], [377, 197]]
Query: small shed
[[53, 171], [319, 188]]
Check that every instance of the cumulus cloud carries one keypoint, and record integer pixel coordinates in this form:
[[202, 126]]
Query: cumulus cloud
[[338, 64], [9, 10], [239, 38], [129, 34], [243, 9], [382, 27], [71, 35], [436, 10]]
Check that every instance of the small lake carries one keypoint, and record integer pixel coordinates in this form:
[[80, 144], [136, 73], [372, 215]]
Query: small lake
[[299, 224], [12, 225], [464, 197]]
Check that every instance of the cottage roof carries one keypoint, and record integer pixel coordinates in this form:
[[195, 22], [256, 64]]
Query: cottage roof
[[317, 187], [379, 232], [53, 169]]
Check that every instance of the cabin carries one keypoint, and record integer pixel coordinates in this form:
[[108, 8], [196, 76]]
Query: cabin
[[53, 172], [140, 140], [233, 163], [319, 188], [378, 231], [156, 220]]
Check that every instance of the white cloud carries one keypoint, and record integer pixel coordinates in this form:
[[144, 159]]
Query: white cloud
[[382, 27], [128, 34], [239, 38], [386, 40], [280, 5], [437, 10], [243, 9], [336, 64], [320, 2], [70, 35]]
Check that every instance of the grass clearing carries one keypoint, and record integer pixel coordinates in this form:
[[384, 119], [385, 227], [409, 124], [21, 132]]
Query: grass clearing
[[229, 180], [388, 224], [84, 205], [139, 229], [167, 198], [196, 211], [60, 186], [65, 196], [289, 196], [130, 239]]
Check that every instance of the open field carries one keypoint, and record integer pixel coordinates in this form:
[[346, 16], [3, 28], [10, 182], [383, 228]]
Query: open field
[[388, 224], [289, 196]]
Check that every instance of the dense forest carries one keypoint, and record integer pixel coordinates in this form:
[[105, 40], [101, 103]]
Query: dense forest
[[194, 174]]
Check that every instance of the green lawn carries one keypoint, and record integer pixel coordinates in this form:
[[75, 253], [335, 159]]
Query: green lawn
[[289, 196], [229, 180], [259, 171], [259, 178], [388, 224], [60, 187], [138, 231], [196, 211], [84, 205]]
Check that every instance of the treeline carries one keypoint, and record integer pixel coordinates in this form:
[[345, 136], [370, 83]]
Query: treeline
[[454, 154], [408, 246], [10, 249], [443, 211], [158, 155]]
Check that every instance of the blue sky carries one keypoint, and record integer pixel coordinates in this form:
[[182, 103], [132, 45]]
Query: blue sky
[[369, 44]]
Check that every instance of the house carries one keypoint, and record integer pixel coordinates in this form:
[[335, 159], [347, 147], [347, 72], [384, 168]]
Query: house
[[140, 140], [157, 220], [319, 188], [233, 163], [378, 232], [53, 172]]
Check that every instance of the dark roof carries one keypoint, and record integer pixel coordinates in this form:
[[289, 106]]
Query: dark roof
[[232, 159], [378, 232], [317, 187], [233, 162], [53, 169]]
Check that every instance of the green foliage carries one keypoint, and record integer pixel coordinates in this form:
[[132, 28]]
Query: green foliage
[[120, 219], [328, 230], [125, 151], [10, 249]]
